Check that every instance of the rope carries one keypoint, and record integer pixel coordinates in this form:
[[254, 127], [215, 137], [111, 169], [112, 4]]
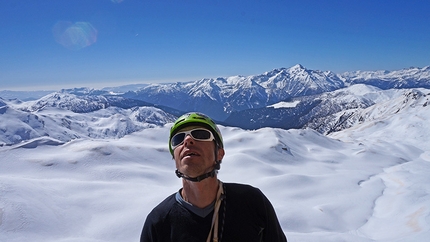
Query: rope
[[215, 218]]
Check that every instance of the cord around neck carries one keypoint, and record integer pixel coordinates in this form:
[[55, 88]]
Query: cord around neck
[[214, 228]]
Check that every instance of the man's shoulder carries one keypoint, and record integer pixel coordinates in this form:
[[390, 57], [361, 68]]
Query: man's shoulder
[[242, 189], [164, 207], [239, 186]]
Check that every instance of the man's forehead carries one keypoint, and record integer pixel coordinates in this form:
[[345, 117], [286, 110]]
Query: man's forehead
[[190, 128]]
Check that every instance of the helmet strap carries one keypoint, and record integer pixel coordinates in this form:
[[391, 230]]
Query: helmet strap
[[198, 178]]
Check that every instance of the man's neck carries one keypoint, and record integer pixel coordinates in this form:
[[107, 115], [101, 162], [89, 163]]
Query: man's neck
[[200, 194]]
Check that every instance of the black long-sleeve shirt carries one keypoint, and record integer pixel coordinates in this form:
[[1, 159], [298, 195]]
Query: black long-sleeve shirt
[[245, 215]]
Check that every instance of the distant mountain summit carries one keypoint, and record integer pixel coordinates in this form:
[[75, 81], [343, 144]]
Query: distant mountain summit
[[221, 96]]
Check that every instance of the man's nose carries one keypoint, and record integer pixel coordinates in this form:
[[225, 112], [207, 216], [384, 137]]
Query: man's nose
[[188, 139]]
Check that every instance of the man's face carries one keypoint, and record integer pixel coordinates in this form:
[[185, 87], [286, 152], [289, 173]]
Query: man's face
[[194, 158]]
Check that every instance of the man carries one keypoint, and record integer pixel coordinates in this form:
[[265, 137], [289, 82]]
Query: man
[[205, 209]]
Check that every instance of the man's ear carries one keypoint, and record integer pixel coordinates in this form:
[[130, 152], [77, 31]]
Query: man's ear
[[220, 153]]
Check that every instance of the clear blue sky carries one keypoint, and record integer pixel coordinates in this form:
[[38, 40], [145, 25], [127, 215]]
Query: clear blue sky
[[96, 43]]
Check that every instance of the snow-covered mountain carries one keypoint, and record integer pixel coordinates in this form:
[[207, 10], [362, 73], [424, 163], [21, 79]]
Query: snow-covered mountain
[[82, 103], [221, 96], [284, 98], [64, 117], [330, 111], [390, 104], [406, 78]]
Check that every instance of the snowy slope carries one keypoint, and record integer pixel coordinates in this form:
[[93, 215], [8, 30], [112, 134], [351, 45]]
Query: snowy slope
[[321, 112], [410, 101], [65, 117], [367, 183]]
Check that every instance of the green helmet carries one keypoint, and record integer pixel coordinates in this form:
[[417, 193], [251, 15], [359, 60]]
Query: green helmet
[[195, 119]]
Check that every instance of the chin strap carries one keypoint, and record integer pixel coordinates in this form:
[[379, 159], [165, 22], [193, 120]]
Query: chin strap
[[196, 179], [201, 177]]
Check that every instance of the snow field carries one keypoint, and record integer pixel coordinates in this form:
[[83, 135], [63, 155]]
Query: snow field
[[364, 188]]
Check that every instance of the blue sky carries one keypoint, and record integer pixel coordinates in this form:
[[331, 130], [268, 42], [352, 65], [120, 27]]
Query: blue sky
[[52, 44]]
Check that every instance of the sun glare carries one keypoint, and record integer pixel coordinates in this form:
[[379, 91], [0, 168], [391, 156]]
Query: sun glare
[[74, 36]]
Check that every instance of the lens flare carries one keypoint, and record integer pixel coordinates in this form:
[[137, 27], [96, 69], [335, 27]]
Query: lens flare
[[74, 36]]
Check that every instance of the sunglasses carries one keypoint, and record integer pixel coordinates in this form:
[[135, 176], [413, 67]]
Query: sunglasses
[[197, 134]]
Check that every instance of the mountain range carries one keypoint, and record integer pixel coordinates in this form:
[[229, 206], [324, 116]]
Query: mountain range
[[286, 98]]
